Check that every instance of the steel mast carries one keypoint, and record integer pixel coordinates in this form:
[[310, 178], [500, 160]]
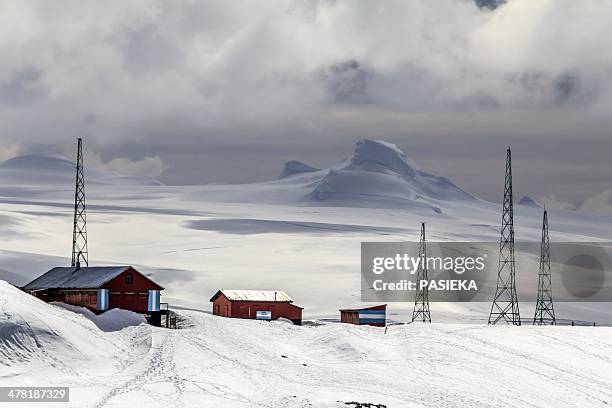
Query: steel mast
[[421, 301], [79, 226], [505, 303]]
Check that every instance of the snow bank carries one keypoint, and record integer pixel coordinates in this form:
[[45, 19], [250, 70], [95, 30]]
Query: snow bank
[[36, 337], [238, 363], [111, 320]]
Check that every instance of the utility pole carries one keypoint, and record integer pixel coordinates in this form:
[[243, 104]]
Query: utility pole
[[79, 227], [421, 301], [505, 303], [544, 312]]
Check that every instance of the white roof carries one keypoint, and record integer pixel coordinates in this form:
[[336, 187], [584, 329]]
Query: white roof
[[257, 295]]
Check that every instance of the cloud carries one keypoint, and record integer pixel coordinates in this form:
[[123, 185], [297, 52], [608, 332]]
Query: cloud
[[150, 166], [227, 91], [599, 203], [553, 203], [147, 166], [8, 152]]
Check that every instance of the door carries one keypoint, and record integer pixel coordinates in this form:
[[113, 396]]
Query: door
[[129, 301], [114, 300]]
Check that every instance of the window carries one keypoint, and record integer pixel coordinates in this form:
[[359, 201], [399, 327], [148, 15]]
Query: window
[[129, 279]]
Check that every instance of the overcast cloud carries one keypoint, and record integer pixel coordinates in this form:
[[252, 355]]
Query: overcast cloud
[[202, 92]]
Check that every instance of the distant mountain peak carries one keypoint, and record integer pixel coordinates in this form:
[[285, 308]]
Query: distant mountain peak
[[379, 173], [489, 4], [528, 201], [296, 167], [56, 169], [48, 161], [382, 157]]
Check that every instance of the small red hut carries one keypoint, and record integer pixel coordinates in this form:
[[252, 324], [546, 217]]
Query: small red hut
[[256, 304], [369, 315], [99, 288]]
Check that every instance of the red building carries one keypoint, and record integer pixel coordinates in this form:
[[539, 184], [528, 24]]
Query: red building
[[371, 316], [256, 304], [99, 288]]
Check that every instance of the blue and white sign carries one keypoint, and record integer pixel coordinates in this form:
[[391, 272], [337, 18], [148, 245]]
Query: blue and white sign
[[153, 301], [102, 299], [371, 316], [263, 315]]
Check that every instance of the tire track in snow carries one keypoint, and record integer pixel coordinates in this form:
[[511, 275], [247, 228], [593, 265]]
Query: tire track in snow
[[547, 364], [160, 366], [227, 392]]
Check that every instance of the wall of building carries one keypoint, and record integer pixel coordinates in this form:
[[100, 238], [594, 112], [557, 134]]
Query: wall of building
[[349, 317], [139, 283], [222, 306], [84, 298], [248, 310], [373, 316], [128, 300], [127, 295]]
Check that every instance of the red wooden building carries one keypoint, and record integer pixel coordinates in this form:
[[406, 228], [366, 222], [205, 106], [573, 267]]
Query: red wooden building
[[256, 304], [99, 289], [370, 315]]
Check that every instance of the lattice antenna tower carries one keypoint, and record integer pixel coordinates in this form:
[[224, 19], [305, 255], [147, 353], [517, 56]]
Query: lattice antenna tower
[[505, 305], [79, 226], [421, 300], [544, 312]]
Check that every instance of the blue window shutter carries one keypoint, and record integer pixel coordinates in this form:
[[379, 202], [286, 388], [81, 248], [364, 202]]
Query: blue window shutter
[[153, 301], [102, 299]]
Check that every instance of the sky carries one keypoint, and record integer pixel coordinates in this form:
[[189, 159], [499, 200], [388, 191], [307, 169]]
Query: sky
[[195, 92]]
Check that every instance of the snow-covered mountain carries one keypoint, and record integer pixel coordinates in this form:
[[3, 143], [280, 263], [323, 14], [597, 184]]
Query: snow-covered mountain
[[380, 171], [377, 175], [44, 169]]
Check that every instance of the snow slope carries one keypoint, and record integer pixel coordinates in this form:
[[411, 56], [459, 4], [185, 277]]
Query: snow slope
[[219, 362], [38, 341]]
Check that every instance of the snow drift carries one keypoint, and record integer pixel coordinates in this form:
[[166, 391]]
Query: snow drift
[[37, 338], [111, 320]]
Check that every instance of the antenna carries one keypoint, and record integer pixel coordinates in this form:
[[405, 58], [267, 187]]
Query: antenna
[[544, 312], [421, 300], [79, 226], [505, 304]]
